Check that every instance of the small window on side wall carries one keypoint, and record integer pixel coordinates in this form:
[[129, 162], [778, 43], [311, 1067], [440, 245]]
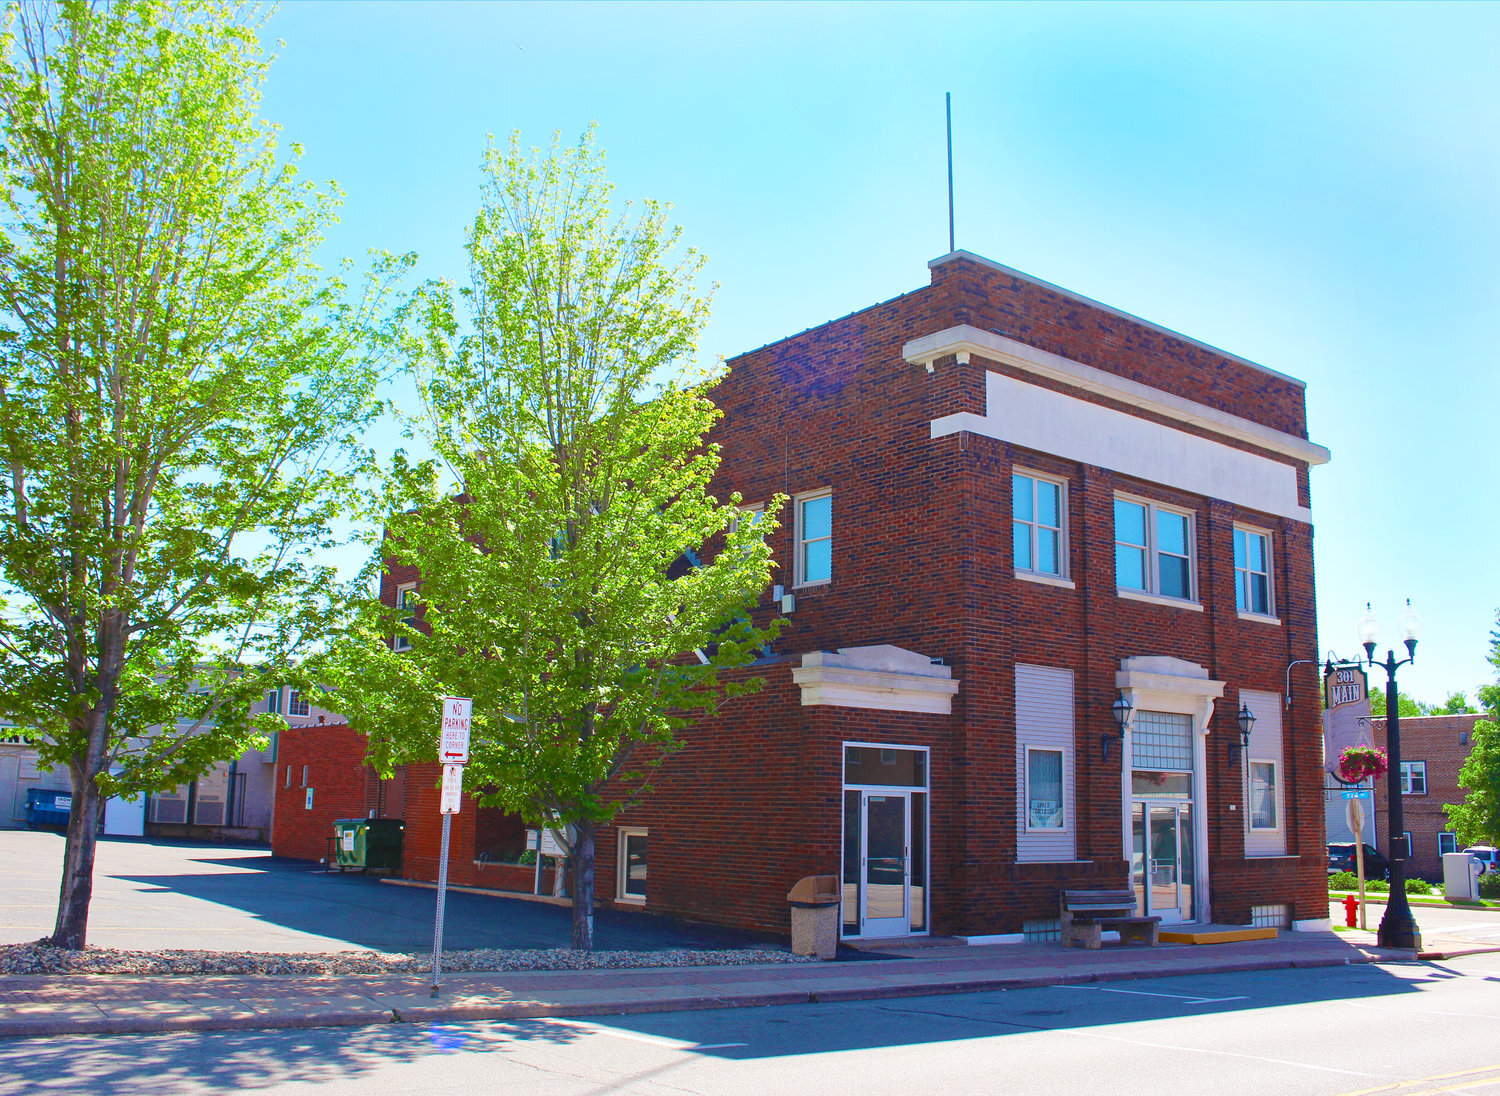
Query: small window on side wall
[[406, 602], [814, 538], [1044, 789], [1263, 793], [1413, 778], [631, 858], [1038, 512], [1447, 842], [297, 704], [1252, 572]]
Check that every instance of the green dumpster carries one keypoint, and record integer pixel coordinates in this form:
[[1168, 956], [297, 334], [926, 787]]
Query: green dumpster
[[368, 843]]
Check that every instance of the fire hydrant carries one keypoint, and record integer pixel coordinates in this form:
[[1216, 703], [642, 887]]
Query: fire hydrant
[[1351, 907]]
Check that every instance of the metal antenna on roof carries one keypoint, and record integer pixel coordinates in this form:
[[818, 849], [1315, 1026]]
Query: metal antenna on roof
[[948, 97]]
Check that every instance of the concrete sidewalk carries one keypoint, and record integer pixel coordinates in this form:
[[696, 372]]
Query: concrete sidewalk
[[68, 1004]]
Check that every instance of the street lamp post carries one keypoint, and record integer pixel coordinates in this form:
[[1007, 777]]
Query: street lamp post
[[1398, 929]]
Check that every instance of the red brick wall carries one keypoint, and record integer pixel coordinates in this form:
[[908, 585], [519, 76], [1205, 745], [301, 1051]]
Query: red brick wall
[[1444, 742], [334, 760], [922, 560]]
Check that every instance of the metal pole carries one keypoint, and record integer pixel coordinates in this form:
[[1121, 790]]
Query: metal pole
[[948, 97], [1398, 929], [442, 892]]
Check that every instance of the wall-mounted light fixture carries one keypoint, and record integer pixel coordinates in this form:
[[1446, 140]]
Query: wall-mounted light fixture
[[1246, 720], [1121, 710]]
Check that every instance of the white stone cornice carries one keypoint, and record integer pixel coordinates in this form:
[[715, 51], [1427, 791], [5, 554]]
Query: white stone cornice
[[968, 340], [884, 678]]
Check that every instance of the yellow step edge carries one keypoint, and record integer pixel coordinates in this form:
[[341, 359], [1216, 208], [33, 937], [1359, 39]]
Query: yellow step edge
[[1214, 935]]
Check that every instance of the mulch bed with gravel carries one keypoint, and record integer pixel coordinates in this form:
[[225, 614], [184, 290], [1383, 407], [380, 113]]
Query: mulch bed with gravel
[[42, 958]]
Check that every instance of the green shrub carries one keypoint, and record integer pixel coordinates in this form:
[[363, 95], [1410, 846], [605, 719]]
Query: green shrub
[[1489, 885], [1343, 880], [1377, 886], [1418, 886]]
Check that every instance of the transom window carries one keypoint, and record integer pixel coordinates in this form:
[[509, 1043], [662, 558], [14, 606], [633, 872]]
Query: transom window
[[1252, 571], [1153, 549], [1263, 813], [1161, 740], [814, 538], [1038, 509], [1413, 778]]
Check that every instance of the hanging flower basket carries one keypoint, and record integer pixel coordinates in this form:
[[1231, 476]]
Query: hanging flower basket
[[1358, 762]]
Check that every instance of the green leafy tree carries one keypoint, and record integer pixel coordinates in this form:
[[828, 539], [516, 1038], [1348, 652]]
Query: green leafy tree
[[1456, 704], [566, 589], [178, 391], [1476, 820]]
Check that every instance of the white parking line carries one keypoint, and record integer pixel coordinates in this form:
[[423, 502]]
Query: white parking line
[[1192, 1000], [636, 1037]]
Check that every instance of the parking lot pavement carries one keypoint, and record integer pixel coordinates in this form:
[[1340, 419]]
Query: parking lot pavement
[[150, 895]]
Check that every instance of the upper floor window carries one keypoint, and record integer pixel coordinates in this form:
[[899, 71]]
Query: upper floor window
[[273, 702], [1413, 778], [297, 705], [1038, 506], [406, 602], [814, 538], [1252, 571], [1153, 549]]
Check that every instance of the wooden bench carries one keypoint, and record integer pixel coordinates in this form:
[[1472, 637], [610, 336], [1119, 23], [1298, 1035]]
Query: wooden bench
[[1087, 913]]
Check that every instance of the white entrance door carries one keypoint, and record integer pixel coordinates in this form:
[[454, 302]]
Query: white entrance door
[[886, 908]]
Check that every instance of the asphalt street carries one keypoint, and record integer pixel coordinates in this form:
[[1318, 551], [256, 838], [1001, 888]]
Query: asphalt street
[[1399, 1030], [153, 895]]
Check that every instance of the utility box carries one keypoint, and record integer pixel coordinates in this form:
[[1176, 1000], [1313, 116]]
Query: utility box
[[1461, 876], [368, 843], [815, 915]]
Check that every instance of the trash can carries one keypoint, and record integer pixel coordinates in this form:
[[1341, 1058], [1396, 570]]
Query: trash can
[[1461, 876], [366, 843], [48, 807], [815, 915]]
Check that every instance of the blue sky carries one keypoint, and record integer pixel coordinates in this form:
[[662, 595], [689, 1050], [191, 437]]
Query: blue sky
[[1312, 187]]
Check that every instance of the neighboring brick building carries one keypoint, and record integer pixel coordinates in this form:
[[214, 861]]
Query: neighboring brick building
[[1011, 507], [1433, 749]]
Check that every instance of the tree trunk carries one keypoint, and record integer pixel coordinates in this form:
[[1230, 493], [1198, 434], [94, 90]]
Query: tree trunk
[[582, 863], [72, 925]]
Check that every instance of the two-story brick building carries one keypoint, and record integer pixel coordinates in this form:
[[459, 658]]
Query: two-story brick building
[[1433, 750], [1016, 515]]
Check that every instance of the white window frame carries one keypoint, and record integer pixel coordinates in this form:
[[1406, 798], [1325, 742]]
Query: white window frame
[[1154, 553], [273, 701], [400, 642], [1452, 838], [1065, 755], [296, 700], [622, 863], [1242, 574], [1275, 794], [1035, 523], [799, 545], [1410, 769]]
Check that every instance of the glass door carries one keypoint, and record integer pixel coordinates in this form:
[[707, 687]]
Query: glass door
[[1161, 862], [887, 900]]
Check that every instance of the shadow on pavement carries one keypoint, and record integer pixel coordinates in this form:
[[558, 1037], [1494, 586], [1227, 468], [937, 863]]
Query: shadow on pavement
[[363, 911]]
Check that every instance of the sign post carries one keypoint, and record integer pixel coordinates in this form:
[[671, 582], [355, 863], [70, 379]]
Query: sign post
[[1354, 812], [453, 752]]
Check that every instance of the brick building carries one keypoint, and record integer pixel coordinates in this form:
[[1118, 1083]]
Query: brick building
[[1012, 509], [1433, 749]]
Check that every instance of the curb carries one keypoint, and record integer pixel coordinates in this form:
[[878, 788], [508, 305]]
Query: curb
[[525, 1010]]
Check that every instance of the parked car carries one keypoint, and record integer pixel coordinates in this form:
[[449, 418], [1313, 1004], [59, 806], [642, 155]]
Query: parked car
[[1487, 855], [1341, 858]]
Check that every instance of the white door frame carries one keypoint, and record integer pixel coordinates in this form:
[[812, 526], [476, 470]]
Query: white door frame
[[905, 791], [1159, 683]]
